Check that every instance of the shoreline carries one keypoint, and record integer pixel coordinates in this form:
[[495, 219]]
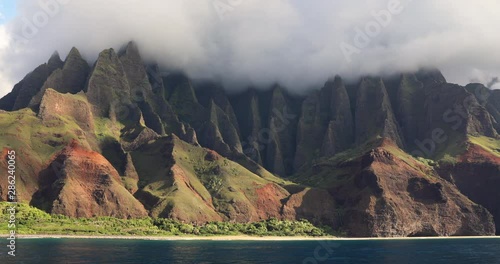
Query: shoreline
[[179, 238], [239, 238]]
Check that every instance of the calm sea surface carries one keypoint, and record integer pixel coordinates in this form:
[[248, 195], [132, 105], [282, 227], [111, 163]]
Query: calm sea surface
[[419, 251]]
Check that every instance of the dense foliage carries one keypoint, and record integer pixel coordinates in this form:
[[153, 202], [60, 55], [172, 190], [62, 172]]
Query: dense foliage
[[34, 221]]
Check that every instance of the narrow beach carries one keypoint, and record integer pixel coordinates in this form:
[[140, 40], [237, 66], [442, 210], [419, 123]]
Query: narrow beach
[[238, 238]]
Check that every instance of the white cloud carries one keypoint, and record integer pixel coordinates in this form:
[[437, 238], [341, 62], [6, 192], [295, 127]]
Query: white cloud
[[293, 42], [5, 82]]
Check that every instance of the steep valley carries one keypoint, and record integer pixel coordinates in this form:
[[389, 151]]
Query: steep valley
[[407, 155]]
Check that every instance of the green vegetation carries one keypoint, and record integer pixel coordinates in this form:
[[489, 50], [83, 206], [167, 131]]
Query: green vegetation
[[427, 162], [24, 130], [35, 141], [183, 100], [36, 222], [106, 129], [448, 152], [490, 144], [191, 180], [336, 174], [337, 170], [271, 227], [31, 220]]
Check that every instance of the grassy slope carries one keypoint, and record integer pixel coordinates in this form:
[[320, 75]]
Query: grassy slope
[[331, 174], [490, 144], [42, 140], [334, 171], [223, 179], [199, 185], [457, 146], [24, 130], [35, 143], [154, 167]]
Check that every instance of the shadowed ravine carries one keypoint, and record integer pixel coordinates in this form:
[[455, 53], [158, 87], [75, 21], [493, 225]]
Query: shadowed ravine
[[407, 155]]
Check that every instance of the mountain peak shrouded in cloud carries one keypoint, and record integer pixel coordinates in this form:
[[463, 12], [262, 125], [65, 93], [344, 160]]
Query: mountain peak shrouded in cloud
[[256, 42], [493, 83]]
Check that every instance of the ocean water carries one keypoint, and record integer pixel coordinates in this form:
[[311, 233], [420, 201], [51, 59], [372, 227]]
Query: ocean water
[[418, 251]]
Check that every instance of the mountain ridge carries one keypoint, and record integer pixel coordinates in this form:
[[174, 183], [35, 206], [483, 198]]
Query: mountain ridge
[[179, 146]]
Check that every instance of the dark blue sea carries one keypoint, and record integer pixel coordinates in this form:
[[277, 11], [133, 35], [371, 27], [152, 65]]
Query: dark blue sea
[[418, 251]]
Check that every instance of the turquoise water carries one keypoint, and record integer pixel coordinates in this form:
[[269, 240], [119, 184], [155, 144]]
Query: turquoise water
[[453, 251]]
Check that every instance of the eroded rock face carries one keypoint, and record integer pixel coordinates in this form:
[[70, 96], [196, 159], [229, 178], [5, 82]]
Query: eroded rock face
[[55, 104], [339, 136], [316, 205], [493, 107], [490, 99], [130, 175], [108, 90], [326, 124], [409, 109], [180, 94], [219, 133], [477, 175], [135, 71], [31, 85], [134, 138], [141, 91], [475, 120], [69, 78], [82, 183], [209, 93], [424, 191], [75, 71], [246, 106], [282, 121], [374, 114], [391, 195], [160, 105], [311, 129]]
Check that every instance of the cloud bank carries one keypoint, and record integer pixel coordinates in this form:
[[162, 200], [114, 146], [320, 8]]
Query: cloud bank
[[243, 42]]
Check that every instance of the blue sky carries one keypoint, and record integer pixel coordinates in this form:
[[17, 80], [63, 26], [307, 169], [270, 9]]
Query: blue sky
[[7, 10]]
